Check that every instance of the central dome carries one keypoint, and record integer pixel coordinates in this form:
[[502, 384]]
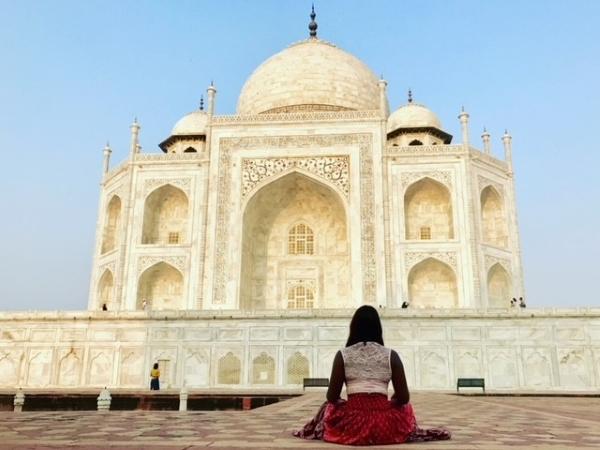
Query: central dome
[[312, 75]]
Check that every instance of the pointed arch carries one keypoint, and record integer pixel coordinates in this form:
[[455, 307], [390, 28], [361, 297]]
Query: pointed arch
[[106, 290], [69, 370], [297, 368], [494, 229], [498, 287], [268, 266], [111, 224], [190, 150], [229, 369], [161, 286], [263, 369], [432, 284], [428, 211], [415, 142], [165, 216]]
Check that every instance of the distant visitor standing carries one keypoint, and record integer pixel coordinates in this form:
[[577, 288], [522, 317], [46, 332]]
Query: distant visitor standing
[[154, 377]]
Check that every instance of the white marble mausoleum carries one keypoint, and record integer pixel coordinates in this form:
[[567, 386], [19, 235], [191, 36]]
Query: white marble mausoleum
[[236, 256]]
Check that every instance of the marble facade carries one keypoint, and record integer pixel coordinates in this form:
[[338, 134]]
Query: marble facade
[[236, 257], [544, 350]]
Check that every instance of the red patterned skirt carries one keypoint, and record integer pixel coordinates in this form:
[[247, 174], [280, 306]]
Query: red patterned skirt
[[368, 419]]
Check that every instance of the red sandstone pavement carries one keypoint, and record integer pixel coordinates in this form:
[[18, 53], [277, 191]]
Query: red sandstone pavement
[[477, 422]]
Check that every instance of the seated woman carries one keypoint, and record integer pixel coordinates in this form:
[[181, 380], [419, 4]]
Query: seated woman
[[367, 417]]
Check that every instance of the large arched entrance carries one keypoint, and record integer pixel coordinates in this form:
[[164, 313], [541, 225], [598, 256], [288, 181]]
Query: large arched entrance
[[295, 248], [432, 284]]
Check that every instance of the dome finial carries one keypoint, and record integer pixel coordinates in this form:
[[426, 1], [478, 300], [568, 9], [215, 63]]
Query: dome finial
[[312, 26], [410, 99], [202, 103]]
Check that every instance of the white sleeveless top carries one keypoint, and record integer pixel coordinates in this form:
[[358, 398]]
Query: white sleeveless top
[[367, 368]]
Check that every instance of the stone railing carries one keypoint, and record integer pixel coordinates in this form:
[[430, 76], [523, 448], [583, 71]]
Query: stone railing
[[424, 150], [302, 116], [167, 157]]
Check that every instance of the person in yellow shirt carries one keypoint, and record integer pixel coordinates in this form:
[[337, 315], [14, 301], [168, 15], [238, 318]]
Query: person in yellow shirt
[[154, 376]]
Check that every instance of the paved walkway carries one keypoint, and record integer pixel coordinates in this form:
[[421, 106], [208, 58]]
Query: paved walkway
[[476, 423]]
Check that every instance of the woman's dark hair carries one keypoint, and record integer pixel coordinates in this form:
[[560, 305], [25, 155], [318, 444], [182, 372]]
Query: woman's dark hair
[[155, 365], [365, 326]]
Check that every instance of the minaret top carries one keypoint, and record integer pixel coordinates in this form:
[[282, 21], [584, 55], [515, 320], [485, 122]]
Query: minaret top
[[312, 26]]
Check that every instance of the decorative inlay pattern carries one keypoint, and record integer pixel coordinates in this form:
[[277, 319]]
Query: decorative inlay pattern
[[485, 182], [110, 266], [423, 150], [299, 116], [413, 258], [491, 260], [408, 178], [182, 183], [168, 156], [144, 262], [367, 207], [334, 169]]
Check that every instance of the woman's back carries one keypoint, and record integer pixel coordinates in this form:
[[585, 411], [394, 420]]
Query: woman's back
[[367, 368]]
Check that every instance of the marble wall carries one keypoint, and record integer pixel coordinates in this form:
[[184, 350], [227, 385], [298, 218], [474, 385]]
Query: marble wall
[[518, 350]]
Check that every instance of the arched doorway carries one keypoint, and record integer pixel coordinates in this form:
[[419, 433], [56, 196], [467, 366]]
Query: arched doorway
[[428, 211], [432, 284], [161, 287], [499, 287], [105, 290], [111, 224], [493, 218], [165, 216], [295, 238]]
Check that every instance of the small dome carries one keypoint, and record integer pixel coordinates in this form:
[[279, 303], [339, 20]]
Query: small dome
[[413, 115], [310, 75], [191, 124]]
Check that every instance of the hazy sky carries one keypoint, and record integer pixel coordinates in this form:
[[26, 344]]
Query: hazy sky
[[75, 73]]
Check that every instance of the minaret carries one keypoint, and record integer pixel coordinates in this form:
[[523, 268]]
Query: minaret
[[464, 124], [507, 141], [487, 145], [135, 131], [106, 152], [383, 104], [211, 93], [312, 26]]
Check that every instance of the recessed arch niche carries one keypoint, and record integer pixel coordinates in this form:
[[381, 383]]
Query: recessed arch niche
[[268, 267], [432, 284], [105, 290], [493, 218], [499, 287], [165, 216], [161, 286], [427, 205], [111, 224]]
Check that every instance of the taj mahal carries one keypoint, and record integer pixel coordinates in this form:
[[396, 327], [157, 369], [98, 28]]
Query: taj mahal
[[235, 257]]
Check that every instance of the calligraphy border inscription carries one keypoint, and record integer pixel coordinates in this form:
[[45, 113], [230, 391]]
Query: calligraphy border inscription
[[367, 208]]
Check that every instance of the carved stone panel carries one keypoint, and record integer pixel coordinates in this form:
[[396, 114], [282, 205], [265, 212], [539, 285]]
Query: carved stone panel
[[367, 203], [333, 169], [413, 258], [144, 262], [181, 183], [502, 367], [442, 176]]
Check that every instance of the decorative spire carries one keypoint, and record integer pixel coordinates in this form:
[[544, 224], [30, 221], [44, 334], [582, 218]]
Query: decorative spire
[[202, 103], [410, 99], [312, 26]]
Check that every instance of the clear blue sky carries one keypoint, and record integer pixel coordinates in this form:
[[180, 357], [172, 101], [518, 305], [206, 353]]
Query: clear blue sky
[[75, 73]]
